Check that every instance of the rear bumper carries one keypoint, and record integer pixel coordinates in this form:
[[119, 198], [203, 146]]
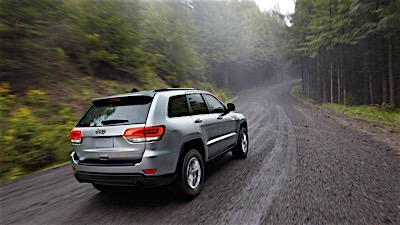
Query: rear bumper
[[128, 175], [124, 179]]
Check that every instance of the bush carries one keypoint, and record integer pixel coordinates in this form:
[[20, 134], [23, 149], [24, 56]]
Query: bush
[[350, 100], [296, 90], [150, 80], [7, 99], [34, 135], [26, 143]]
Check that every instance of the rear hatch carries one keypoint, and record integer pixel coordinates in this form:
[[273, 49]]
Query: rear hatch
[[102, 130]]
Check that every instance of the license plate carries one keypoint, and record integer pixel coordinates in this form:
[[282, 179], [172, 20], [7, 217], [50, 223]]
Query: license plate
[[104, 142]]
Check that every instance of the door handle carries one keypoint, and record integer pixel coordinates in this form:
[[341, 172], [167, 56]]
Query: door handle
[[198, 120]]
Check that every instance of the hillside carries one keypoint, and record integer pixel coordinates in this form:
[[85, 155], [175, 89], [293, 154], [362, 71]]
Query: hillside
[[57, 55]]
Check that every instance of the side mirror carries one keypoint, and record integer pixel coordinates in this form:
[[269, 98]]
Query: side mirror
[[231, 107]]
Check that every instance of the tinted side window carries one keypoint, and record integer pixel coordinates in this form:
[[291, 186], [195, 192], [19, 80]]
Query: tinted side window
[[177, 106], [215, 105], [197, 104]]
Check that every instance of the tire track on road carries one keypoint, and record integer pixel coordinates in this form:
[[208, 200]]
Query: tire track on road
[[256, 197]]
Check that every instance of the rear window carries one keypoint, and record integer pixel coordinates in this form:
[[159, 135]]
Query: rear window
[[177, 106], [117, 111]]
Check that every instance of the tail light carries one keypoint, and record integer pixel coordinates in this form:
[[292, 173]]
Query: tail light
[[141, 134], [76, 136], [150, 171]]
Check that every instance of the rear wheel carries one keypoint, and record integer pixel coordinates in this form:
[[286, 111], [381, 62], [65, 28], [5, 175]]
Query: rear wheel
[[242, 145], [190, 176]]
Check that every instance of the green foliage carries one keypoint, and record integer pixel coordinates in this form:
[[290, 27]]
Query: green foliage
[[345, 49], [32, 136], [350, 100], [36, 97], [7, 100], [60, 52], [374, 113], [224, 96], [25, 141], [150, 80], [113, 87], [57, 131], [296, 90], [22, 32]]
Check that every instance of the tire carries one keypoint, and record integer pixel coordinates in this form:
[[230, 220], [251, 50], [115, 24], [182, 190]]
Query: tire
[[189, 181], [242, 146]]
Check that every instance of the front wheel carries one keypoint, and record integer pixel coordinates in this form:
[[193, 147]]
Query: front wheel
[[242, 145], [190, 178]]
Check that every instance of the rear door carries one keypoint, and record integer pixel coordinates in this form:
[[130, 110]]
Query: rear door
[[205, 122]]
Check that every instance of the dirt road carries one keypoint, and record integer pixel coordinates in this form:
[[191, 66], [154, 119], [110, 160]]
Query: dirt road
[[303, 167]]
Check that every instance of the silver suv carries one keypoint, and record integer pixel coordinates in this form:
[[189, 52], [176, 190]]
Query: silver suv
[[155, 138]]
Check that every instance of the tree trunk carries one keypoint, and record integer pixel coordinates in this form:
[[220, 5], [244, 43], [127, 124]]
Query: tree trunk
[[302, 75], [322, 73], [371, 93], [342, 74], [226, 76], [384, 89], [308, 76], [338, 75], [390, 72], [331, 77]]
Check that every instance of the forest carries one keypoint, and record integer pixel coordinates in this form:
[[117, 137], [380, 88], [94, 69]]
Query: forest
[[56, 55], [173, 42], [348, 51]]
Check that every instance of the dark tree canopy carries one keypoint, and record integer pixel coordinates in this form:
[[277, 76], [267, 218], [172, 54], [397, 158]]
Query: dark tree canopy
[[155, 43], [348, 50]]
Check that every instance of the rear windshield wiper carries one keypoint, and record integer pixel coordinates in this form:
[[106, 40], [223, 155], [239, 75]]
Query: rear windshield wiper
[[108, 122]]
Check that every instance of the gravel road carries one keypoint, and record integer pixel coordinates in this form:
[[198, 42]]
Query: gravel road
[[303, 168]]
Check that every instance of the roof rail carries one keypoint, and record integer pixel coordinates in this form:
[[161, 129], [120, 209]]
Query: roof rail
[[173, 89]]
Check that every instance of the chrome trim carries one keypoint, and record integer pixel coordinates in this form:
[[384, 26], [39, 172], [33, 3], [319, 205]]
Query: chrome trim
[[72, 157], [215, 140]]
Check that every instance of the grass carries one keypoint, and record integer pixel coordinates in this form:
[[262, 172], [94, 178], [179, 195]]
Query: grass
[[373, 114], [297, 92]]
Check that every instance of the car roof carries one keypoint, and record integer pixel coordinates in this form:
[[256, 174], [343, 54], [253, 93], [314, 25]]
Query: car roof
[[152, 93]]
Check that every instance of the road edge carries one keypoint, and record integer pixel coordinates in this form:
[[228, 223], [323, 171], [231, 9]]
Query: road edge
[[355, 124]]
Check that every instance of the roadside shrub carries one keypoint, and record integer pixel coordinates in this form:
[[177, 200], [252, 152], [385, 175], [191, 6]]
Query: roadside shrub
[[113, 87], [7, 102], [36, 97], [7, 99], [37, 101], [150, 80], [26, 143], [57, 132], [350, 100], [296, 90]]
